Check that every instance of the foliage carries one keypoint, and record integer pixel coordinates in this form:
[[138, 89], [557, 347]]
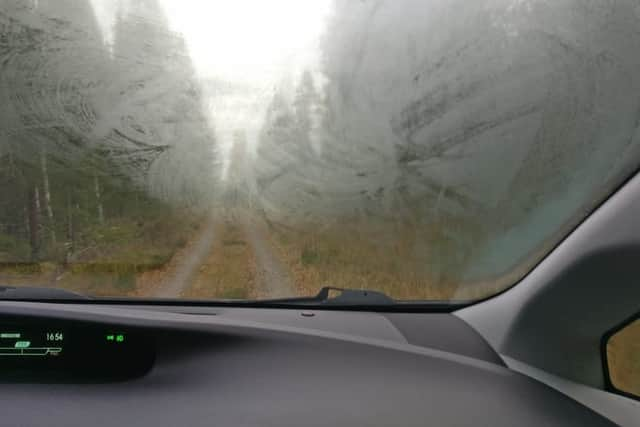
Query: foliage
[[106, 152]]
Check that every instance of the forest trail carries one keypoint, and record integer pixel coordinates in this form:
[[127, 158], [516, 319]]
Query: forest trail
[[186, 263], [270, 277], [273, 279]]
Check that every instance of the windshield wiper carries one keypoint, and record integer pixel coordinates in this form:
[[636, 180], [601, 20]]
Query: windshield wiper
[[345, 297], [33, 293], [328, 298]]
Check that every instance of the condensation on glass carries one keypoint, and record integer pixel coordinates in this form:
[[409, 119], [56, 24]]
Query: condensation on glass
[[430, 149]]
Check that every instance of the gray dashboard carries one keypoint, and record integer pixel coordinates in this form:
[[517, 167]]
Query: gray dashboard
[[258, 367]]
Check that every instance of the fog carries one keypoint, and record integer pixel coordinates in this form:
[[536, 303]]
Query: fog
[[490, 128]]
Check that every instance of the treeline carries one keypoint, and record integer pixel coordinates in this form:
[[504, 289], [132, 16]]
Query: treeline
[[482, 129], [289, 156], [94, 134]]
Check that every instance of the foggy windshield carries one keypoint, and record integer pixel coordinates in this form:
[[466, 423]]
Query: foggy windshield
[[249, 149]]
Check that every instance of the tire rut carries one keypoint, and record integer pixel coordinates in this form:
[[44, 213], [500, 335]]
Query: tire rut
[[273, 278], [188, 264]]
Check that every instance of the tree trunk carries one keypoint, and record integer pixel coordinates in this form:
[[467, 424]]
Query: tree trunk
[[34, 223], [70, 245], [96, 186], [47, 194], [27, 229], [12, 165]]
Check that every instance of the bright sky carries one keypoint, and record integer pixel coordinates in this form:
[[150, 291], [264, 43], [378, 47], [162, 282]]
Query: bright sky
[[238, 40], [248, 43], [248, 40]]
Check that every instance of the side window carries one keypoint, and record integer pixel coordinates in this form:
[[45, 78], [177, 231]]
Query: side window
[[623, 359]]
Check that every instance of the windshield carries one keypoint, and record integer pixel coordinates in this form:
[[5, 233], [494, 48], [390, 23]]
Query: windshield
[[252, 149]]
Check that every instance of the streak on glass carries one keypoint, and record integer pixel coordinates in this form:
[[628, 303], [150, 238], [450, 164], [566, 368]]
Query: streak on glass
[[247, 149]]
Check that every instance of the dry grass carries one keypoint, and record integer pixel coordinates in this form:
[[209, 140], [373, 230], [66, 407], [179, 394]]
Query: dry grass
[[227, 273], [407, 261], [88, 283], [229, 270], [114, 260], [623, 353], [398, 260]]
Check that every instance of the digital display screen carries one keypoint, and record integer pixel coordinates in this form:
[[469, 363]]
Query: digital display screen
[[33, 351], [16, 342]]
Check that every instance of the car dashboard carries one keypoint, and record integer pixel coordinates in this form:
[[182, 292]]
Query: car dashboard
[[106, 365]]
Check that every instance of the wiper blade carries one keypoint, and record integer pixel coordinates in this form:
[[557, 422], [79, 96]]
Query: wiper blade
[[34, 293], [345, 297]]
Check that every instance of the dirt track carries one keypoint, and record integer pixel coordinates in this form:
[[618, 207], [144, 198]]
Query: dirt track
[[274, 280], [186, 263]]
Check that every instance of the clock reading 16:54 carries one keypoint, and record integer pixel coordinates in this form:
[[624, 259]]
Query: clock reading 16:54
[[55, 336]]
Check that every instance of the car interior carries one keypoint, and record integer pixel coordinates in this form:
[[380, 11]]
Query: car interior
[[420, 213], [533, 355]]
